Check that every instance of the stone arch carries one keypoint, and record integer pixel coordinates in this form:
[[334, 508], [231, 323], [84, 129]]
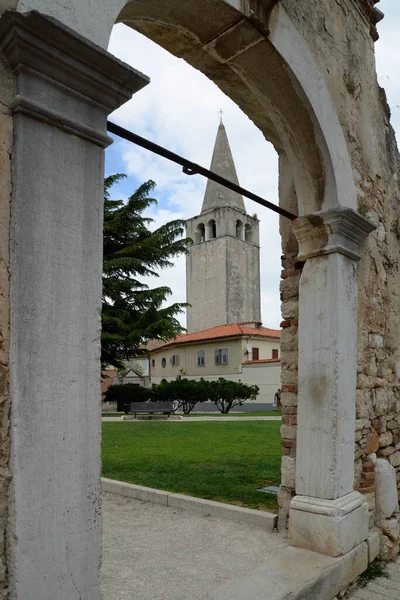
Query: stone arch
[[304, 125], [200, 233], [256, 73], [239, 229], [211, 229], [248, 233]]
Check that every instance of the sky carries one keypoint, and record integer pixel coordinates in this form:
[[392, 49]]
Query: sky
[[179, 109]]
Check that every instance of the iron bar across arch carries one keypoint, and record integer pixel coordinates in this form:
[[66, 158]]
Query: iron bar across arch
[[191, 168]]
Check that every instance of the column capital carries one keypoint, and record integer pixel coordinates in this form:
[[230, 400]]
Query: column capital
[[62, 78], [337, 230]]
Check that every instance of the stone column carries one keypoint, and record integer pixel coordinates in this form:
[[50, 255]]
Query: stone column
[[65, 88], [326, 515]]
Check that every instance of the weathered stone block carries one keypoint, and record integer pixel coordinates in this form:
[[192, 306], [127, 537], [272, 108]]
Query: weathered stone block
[[288, 470], [385, 439], [391, 528], [389, 550], [332, 527], [289, 399], [372, 444], [387, 502], [374, 543], [394, 459], [290, 309], [386, 451], [288, 432]]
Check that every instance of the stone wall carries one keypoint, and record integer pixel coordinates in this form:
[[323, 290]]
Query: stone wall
[[344, 49], [6, 135]]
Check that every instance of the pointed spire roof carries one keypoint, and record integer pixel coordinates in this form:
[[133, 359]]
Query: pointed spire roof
[[222, 163]]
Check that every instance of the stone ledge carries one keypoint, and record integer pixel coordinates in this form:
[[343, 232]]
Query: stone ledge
[[296, 574], [198, 505]]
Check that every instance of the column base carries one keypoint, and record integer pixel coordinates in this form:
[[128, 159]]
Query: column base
[[332, 527]]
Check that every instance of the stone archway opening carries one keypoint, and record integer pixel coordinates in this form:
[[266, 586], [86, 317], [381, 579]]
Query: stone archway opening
[[57, 116]]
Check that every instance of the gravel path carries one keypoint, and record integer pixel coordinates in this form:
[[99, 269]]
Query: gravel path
[[153, 552]]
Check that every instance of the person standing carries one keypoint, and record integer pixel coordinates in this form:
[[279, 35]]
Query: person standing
[[277, 399]]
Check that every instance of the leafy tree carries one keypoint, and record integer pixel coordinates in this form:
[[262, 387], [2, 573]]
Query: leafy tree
[[132, 313], [185, 393], [124, 394], [226, 394]]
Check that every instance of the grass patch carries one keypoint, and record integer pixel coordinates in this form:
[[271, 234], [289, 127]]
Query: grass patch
[[226, 462], [374, 570]]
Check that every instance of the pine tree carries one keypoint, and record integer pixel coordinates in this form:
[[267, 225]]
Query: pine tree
[[132, 313]]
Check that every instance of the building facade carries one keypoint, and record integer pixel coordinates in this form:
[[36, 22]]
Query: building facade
[[245, 352]]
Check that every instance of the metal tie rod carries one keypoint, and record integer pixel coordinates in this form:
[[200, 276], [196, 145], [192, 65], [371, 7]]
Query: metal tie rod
[[191, 168]]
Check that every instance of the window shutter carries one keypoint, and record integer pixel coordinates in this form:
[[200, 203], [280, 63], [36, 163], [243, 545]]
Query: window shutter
[[255, 354], [177, 359], [217, 357], [224, 353]]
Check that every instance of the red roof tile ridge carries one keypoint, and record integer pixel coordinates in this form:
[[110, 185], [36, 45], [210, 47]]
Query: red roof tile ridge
[[222, 331]]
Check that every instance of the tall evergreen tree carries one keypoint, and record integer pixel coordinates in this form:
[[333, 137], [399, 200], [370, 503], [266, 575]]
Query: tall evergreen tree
[[132, 313]]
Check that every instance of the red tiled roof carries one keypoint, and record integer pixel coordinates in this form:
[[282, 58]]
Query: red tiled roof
[[224, 331], [152, 345], [261, 361]]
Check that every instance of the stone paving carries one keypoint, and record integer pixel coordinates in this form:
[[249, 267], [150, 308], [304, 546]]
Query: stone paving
[[383, 588], [154, 552]]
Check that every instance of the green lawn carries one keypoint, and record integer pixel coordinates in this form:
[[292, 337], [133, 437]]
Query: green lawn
[[226, 462]]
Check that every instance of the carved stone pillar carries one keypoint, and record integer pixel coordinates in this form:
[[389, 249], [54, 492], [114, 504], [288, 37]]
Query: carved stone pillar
[[65, 88], [326, 515]]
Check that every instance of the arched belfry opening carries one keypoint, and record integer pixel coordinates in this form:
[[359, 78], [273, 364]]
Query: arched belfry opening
[[211, 229], [200, 233], [58, 89], [248, 233], [239, 229]]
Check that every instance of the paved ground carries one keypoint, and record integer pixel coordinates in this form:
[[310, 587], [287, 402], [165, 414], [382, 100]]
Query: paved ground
[[153, 552], [382, 588]]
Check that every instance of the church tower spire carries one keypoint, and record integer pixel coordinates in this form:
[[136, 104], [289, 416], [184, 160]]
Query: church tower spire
[[222, 163], [223, 264]]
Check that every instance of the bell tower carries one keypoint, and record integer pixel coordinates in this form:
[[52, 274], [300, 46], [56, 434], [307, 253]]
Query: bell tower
[[223, 264]]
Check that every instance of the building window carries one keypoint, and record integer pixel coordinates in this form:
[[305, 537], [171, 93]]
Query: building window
[[211, 230], [221, 356], [200, 233], [163, 363], [153, 362], [255, 354], [163, 381], [239, 229], [275, 353], [248, 236], [175, 360], [201, 358]]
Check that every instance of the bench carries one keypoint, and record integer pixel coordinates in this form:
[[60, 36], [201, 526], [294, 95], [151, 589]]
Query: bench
[[165, 408]]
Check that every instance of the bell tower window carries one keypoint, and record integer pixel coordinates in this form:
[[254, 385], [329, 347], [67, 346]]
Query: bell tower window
[[200, 233], [239, 229], [248, 234], [212, 230]]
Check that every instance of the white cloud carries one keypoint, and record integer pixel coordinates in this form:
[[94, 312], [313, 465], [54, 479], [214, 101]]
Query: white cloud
[[179, 110]]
